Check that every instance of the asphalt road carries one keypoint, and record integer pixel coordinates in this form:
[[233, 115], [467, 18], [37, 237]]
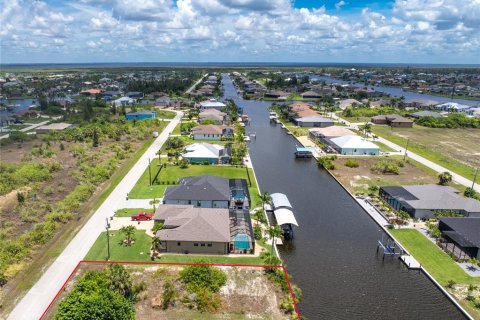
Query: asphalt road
[[37, 299]]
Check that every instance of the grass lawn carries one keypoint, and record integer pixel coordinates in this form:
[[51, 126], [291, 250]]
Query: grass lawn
[[140, 251], [450, 148], [437, 262], [163, 114], [383, 147], [143, 190], [177, 129], [128, 212]]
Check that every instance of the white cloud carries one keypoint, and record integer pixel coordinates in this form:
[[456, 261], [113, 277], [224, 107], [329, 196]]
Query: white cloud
[[340, 4]]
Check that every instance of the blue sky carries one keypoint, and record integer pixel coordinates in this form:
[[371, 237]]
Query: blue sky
[[403, 31]]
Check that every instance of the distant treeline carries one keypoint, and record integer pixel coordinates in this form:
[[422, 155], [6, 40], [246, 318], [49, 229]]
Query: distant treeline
[[176, 85]]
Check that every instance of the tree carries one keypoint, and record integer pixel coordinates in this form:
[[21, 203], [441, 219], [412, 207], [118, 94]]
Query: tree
[[203, 277], [119, 280], [265, 198], [88, 113], [274, 232], [470, 193], [128, 231], [156, 242], [444, 178], [366, 128]]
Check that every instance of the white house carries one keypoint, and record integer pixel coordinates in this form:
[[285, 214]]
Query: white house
[[354, 145], [123, 101], [206, 152], [212, 104], [211, 132]]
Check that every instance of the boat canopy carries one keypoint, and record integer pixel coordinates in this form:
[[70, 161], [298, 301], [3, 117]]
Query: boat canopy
[[285, 216], [280, 200]]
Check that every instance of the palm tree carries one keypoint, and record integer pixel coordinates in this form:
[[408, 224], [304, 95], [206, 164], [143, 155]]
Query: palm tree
[[274, 231], [120, 281], [128, 231], [156, 242], [366, 128], [265, 198], [444, 178]]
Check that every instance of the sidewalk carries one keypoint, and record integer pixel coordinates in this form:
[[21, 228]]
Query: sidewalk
[[37, 299]]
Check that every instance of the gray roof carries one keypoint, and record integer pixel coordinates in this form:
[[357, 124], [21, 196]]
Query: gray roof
[[186, 223], [433, 197], [467, 230], [200, 188]]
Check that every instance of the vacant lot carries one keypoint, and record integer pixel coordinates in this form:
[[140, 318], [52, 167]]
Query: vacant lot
[[455, 149], [357, 180], [247, 294]]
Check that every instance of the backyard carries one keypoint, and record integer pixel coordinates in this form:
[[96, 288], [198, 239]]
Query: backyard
[[170, 175], [455, 149]]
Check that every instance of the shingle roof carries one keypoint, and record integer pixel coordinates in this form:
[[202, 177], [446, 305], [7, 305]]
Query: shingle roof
[[209, 129], [426, 114], [200, 188], [187, 223], [354, 141], [314, 119], [203, 150], [333, 131]]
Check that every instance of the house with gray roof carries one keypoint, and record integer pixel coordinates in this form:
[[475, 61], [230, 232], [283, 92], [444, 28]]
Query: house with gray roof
[[189, 229], [461, 236], [393, 120], [202, 152], [314, 121], [200, 191], [215, 115], [420, 114], [424, 201]]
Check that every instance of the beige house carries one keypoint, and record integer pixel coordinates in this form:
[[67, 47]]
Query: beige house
[[193, 230]]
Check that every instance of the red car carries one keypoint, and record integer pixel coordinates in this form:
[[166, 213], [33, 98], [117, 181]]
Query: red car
[[142, 216]]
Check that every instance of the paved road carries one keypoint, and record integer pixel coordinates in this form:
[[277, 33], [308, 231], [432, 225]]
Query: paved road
[[195, 84], [438, 168], [34, 303], [33, 126]]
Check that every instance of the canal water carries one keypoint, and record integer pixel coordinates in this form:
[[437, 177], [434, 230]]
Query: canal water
[[333, 257]]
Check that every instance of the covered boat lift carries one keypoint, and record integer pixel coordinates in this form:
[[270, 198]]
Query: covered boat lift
[[282, 211]]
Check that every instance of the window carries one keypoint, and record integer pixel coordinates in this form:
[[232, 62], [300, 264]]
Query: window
[[195, 244], [209, 245], [179, 243], [202, 244]]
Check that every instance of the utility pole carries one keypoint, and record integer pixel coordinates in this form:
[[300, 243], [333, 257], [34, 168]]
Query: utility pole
[[107, 226], [149, 172], [474, 178], [406, 149]]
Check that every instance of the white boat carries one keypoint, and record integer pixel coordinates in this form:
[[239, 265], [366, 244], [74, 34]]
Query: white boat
[[246, 138], [283, 126]]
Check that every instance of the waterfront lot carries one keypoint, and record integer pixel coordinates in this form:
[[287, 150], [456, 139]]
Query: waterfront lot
[[247, 294], [455, 149], [170, 175], [357, 180]]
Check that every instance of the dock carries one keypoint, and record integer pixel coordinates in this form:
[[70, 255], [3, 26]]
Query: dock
[[410, 261]]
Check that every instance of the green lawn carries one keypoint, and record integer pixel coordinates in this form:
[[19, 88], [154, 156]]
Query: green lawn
[[383, 147], [143, 190], [140, 251], [435, 145], [128, 212], [435, 261], [163, 114], [177, 129]]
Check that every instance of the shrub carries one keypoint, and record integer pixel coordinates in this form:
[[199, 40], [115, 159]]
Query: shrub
[[451, 284], [351, 163], [387, 166], [197, 278], [207, 301], [20, 198], [257, 232], [169, 295]]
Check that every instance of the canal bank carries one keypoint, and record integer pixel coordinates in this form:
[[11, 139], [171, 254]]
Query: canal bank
[[333, 257]]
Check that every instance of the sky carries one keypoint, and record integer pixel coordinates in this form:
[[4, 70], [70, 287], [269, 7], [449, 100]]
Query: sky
[[313, 31]]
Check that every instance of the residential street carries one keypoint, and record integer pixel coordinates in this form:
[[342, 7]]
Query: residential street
[[41, 294], [438, 168], [196, 83]]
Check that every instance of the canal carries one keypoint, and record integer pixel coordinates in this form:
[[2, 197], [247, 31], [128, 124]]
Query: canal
[[333, 257]]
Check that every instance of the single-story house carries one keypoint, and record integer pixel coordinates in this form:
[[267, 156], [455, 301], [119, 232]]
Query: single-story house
[[354, 145], [6, 120], [453, 107], [311, 95], [217, 116], [323, 134], [420, 114], [200, 191], [302, 109], [91, 92], [346, 103], [275, 94], [53, 127], [110, 94], [463, 234], [211, 132], [212, 104], [189, 229], [141, 115], [206, 152], [123, 101], [135, 94], [314, 121], [423, 201], [420, 103], [393, 120]]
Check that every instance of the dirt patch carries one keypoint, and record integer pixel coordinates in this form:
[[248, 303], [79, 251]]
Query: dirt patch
[[359, 179]]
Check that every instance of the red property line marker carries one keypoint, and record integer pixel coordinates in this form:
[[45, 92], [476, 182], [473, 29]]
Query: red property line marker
[[173, 264], [287, 278]]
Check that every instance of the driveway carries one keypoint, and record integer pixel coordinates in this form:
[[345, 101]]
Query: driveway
[[37, 299]]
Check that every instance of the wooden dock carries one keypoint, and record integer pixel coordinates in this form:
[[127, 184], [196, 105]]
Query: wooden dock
[[410, 261]]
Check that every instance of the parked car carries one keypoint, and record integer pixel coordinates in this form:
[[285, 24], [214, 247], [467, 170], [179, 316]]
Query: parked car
[[142, 216]]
